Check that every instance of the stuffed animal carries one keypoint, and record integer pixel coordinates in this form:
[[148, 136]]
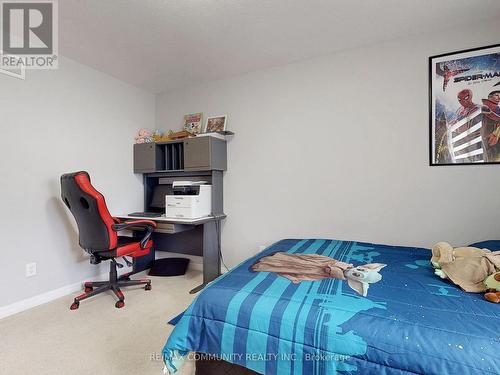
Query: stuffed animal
[[492, 282], [359, 278], [470, 268], [443, 252], [313, 267], [144, 136]]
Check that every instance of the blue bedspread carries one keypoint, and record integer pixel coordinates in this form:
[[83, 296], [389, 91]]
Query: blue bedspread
[[410, 322]]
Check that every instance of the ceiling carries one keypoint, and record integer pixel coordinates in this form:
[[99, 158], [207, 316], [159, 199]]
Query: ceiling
[[161, 45]]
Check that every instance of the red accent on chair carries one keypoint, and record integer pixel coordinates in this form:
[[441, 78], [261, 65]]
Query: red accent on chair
[[145, 222], [83, 181], [134, 249]]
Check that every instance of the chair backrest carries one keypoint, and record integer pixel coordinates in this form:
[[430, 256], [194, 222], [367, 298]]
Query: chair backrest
[[89, 209]]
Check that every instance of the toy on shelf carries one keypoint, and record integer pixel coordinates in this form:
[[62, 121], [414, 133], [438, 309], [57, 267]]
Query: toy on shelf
[[180, 135], [172, 136], [147, 136], [472, 269], [144, 136]]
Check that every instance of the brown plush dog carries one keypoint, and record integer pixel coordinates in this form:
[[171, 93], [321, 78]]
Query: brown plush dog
[[474, 270]]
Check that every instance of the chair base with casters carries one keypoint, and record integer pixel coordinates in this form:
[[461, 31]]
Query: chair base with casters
[[114, 283], [98, 236]]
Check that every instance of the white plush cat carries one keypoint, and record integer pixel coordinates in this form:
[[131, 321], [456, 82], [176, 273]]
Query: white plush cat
[[359, 278]]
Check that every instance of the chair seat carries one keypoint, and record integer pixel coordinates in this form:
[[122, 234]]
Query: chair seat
[[128, 246]]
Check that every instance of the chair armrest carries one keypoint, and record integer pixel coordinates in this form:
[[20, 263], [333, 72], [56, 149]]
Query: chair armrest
[[148, 225], [133, 223]]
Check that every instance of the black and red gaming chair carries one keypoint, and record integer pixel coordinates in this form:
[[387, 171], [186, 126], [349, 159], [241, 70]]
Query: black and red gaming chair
[[98, 236]]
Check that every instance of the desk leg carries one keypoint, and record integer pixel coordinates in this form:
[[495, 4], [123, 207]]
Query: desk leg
[[211, 259]]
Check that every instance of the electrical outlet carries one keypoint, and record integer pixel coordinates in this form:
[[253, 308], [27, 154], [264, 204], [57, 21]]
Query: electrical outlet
[[30, 269]]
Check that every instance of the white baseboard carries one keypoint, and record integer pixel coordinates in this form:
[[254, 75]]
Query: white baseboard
[[195, 266], [40, 299], [196, 263]]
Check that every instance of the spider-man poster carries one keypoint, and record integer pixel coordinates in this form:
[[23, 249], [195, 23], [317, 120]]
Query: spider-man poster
[[465, 113]]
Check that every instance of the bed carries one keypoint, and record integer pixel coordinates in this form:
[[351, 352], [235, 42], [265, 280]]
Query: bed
[[410, 322]]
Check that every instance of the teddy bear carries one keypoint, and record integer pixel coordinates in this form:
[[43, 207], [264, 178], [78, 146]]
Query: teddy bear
[[492, 282], [144, 136], [472, 269]]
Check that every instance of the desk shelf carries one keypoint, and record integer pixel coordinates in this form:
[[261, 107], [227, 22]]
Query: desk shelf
[[190, 154]]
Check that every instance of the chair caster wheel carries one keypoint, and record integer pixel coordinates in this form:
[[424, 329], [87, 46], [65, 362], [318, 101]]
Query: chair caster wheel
[[119, 304], [88, 289], [148, 287], [74, 305]]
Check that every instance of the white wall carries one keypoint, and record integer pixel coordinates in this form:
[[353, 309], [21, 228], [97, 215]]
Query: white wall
[[54, 122], [338, 147]]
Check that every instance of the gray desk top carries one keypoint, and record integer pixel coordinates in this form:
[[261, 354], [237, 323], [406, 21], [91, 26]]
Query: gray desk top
[[169, 220]]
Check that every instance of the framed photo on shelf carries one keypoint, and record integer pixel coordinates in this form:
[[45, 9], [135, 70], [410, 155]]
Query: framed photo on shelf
[[464, 116], [193, 123], [216, 124]]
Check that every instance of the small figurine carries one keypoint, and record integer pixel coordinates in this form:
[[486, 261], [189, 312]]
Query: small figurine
[[157, 136]]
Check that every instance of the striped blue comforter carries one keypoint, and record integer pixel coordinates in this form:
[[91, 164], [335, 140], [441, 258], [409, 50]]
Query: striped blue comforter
[[410, 322]]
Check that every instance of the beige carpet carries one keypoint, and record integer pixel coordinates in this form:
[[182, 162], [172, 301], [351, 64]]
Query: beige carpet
[[97, 338]]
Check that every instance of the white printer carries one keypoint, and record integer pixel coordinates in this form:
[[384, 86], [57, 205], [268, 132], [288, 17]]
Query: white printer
[[190, 200]]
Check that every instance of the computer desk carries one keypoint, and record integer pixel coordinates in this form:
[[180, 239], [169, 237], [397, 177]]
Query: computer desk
[[186, 236]]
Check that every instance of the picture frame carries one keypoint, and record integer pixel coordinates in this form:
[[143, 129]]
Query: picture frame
[[193, 123], [216, 124], [464, 113]]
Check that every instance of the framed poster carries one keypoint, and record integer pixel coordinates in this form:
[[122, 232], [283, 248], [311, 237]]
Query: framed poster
[[216, 124], [464, 113]]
